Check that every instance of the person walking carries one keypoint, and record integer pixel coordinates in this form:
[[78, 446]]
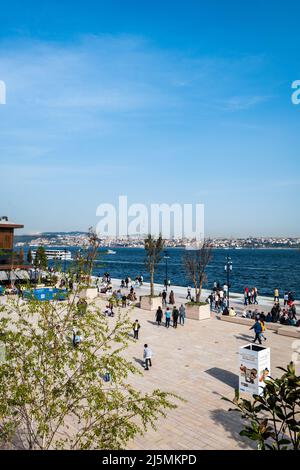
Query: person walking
[[175, 315], [189, 296], [76, 338], [81, 306], [211, 300], [257, 330], [263, 327], [181, 314], [136, 327], [164, 298], [124, 301], [158, 316], [276, 294], [168, 317], [172, 298], [255, 296], [217, 302], [147, 357], [249, 297], [246, 296]]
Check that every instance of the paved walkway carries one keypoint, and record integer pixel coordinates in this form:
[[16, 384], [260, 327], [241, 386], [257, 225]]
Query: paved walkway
[[236, 300], [199, 361]]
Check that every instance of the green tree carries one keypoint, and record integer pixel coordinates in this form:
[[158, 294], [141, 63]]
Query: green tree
[[154, 248], [84, 259], [21, 256], [52, 394], [29, 256], [272, 419], [195, 263], [40, 259]]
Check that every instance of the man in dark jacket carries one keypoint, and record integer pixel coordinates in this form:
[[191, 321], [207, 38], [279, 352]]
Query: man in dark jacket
[[175, 315], [258, 331]]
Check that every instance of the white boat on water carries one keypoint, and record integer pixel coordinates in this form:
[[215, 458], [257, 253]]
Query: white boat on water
[[56, 254], [111, 252]]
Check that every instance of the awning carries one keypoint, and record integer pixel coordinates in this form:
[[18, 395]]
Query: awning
[[19, 274]]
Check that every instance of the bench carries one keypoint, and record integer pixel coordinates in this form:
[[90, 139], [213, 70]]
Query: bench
[[291, 331]]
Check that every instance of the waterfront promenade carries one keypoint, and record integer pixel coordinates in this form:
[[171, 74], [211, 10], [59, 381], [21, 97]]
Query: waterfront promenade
[[236, 299], [199, 361]]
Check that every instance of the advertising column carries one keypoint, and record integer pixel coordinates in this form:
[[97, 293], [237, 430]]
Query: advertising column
[[254, 368]]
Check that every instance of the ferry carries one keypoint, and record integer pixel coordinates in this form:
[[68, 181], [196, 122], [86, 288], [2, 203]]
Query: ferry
[[56, 254], [111, 252]]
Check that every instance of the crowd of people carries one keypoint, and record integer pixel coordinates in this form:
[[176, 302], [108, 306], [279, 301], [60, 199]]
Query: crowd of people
[[175, 314], [250, 296], [218, 298], [138, 282]]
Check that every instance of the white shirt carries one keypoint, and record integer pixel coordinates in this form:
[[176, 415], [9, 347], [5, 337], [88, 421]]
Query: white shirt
[[147, 353]]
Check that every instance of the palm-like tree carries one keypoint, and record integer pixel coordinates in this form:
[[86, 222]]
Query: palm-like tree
[[154, 248]]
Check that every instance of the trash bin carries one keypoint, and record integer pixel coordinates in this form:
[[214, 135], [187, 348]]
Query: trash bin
[[254, 368]]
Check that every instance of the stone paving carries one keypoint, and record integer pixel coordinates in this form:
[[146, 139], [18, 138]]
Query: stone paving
[[199, 361]]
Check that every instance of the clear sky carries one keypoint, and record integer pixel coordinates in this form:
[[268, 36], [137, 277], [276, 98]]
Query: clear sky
[[163, 101]]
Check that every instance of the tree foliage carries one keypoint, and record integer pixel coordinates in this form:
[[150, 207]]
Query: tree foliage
[[40, 259], [29, 256], [82, 266], [154, 248], [52, 394], [272, 419]]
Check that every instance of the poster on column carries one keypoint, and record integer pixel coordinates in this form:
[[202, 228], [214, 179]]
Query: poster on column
[[254, 368]]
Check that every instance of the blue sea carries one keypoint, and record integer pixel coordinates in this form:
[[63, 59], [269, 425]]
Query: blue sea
[[261, 268]]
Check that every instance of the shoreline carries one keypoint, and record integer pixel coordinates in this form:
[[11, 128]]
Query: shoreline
[[181, 291]]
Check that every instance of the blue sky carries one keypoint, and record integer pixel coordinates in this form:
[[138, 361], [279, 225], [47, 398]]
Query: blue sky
[[162, 101]]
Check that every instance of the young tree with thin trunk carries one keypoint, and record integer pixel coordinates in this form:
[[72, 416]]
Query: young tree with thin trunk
[[195, 263], [94, 245], [154, 248], [84, 259], [29, 256], [40, 261], [21, 256]]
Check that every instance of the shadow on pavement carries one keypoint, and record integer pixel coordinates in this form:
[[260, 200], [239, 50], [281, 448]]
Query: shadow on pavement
[[232, 424], [225, 376], [245, 337], [139, 361]]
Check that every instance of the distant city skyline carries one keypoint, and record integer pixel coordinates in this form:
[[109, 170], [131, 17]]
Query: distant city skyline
[[166, 102]]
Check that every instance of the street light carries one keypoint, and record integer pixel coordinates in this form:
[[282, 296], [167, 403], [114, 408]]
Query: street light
[[166, 257], [65, 250], [228, 268]]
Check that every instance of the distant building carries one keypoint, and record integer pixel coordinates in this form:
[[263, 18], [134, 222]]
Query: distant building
[[9, 261]]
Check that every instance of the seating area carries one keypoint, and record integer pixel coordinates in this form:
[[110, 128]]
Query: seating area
[[278, 328]]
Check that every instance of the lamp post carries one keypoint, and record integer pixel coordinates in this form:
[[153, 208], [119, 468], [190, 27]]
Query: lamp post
[[65, 250], [228, 269], [166, 257]]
